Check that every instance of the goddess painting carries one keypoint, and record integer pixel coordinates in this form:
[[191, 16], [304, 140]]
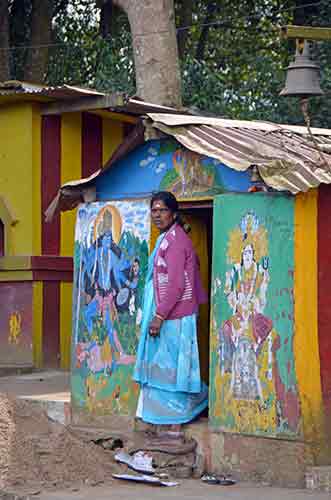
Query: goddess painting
[[248, 332]]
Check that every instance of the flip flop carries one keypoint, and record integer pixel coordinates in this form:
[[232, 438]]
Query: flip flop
[[154, 481], [222, 481], [139, 462]]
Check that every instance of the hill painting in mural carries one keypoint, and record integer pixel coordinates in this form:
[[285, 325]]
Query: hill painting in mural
[[190, 174], [165, 164], [111, 254]]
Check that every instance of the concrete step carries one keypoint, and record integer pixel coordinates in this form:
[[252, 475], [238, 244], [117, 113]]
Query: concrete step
[[57, 410], [319, 478], [49, 390], [16, 369]]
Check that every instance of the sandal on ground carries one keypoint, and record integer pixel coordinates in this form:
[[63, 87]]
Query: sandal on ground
[[139, 462], [220, 480]]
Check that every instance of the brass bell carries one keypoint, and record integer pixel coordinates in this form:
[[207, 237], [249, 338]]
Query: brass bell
[[303, 74]]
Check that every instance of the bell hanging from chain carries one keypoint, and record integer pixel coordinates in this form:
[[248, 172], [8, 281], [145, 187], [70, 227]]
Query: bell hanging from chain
[[303, 74]]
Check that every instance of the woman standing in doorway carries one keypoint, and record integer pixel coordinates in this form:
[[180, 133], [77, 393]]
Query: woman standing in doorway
[[167, 366]]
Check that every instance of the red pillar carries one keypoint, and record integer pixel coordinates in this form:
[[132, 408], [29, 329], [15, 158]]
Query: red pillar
[[51, 233], [324, 291]]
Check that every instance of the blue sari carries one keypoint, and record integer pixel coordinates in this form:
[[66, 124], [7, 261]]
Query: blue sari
[[167, 367]]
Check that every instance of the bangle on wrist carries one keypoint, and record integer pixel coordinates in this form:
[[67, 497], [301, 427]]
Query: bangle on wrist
[[158, 316]]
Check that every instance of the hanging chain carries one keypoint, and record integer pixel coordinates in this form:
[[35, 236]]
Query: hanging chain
[[304, 109]]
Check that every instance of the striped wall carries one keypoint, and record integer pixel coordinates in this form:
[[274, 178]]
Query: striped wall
[[313, 313], [307, 360], [73, 145]]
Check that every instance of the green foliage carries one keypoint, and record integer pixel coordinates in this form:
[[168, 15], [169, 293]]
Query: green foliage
[[233, 68], [243, 69], [168, 146], [82, 56]]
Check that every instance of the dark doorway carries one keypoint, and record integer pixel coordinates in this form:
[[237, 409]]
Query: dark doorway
[[200, 217]]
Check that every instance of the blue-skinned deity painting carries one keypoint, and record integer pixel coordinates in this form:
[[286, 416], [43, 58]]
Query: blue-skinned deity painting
[[111, 253]]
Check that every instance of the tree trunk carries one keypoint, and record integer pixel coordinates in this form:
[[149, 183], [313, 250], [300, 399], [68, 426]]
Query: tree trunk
[[41, 37], [155, 49], [4, 41], [185, 19]]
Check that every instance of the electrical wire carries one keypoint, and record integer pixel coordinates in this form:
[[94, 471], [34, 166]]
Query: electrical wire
[[217, 24], [253, 16]]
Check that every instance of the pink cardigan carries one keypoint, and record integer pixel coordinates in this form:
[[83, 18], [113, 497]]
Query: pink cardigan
[[176, 277]]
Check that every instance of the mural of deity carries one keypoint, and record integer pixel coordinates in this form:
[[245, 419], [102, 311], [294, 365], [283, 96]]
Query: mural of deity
[[110, 261], [243, 335], [252, 331]]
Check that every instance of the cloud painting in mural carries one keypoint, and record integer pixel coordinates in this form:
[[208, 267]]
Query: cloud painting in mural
[[167, 165]]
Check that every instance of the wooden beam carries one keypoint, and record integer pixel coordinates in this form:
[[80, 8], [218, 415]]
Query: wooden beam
[[110, 115], [306, 32], [83, 104]]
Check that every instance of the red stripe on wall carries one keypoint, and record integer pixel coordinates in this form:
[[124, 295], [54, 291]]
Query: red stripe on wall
[[324, 291], [91, 144], [50, 181], [128, 128], [51, 323]]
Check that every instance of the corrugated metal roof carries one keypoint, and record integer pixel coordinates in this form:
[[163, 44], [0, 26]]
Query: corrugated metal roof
[[14, 87], [13, 90], [137, 107], [286, 156]]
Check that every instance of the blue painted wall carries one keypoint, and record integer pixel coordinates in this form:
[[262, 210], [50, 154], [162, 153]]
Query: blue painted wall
[[167, 165]]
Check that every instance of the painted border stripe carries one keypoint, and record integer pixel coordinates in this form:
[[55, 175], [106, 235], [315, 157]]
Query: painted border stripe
[[51, 323], [37, 324], [91, 144], [307, 362], [324, 292], [50, 181]]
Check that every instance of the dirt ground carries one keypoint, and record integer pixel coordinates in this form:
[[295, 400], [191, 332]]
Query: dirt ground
[[187, 490], [54, 386]]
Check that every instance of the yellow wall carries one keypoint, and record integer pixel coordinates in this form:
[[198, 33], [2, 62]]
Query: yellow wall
[[71, 159], [112, 136], [71, 155], [36, 180], [16, 174], [20, 189], [306, 325]]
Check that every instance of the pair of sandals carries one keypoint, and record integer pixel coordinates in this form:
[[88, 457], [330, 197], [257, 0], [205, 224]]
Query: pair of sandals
[[220, 480]]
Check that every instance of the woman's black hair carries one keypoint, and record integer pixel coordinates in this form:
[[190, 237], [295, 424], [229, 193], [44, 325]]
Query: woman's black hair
[[168, 199], [171, 203]]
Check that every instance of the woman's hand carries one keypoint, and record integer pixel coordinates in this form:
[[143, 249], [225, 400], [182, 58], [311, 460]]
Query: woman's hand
[[155, 326]]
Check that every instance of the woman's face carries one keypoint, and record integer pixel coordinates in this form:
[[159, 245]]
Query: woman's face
[[162, 217], [248, 256]]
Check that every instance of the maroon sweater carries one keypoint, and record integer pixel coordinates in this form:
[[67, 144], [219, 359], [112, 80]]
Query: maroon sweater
[[176, 276]]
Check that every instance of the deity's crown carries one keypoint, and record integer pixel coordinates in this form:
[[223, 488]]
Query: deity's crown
[[248, 232]]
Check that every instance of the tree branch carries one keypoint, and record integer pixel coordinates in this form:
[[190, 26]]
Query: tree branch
[[211, 9], [41, 37], [185, 19]]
